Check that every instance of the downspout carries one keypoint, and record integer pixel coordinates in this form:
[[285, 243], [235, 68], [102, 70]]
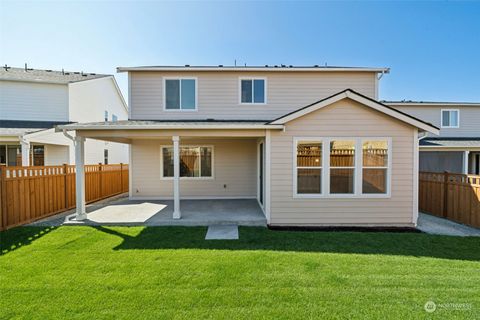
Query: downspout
[[66, 134]]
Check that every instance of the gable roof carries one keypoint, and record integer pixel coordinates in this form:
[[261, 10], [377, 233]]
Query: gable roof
[[355, 96], [46, 76]]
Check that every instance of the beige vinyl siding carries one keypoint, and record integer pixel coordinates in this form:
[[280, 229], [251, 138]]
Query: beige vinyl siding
[[218, 93], [469, 119], [234, 165], [345, 118]]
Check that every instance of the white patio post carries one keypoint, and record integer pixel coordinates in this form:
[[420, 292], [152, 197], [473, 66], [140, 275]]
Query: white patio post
[[465, 161], [25, 152], [176, 177], [80, 177]]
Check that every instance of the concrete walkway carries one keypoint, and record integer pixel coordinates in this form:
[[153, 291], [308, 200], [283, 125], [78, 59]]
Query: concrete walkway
[[226, 232], [435, 225]]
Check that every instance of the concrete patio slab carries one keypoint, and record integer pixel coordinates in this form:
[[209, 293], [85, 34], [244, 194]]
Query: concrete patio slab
[[222, 232], [244, 212], [436, 225]]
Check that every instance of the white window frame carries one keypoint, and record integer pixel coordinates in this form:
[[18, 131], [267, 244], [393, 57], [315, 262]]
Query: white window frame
[[180, 93], [114, 118], [358, 178], [253, 93], [162, 177], [450, 110]]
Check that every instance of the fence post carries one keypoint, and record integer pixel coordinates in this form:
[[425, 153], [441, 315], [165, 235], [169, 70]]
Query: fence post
[[3, 197], [100, 179], [121, 177], [65, 182], [445, 194]]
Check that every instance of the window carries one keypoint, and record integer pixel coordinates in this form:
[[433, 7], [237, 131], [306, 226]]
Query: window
[[105, 156], [450, 118], [309, 167], [106, 115], [114, 118], [195, 162], [252, 91], [375, 166], [342, 166], [38, 155], [180, 94]]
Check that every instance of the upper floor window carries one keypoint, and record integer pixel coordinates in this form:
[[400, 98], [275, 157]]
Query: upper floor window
[[180, 94], [114, 118], [252, 91], [450, 118], [106, 115]]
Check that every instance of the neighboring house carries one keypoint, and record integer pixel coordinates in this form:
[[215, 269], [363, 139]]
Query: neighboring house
[[457, 149], [33, 101], [311, 144]]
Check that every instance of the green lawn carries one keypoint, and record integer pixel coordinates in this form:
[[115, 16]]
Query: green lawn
[[172, 272]]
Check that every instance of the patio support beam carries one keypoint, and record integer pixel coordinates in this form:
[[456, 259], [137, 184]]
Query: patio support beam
[[80, 177], [268, 148], [25, 146], [176, 177], [465, 161]]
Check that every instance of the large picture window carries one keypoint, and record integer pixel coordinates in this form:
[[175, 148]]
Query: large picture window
[[309, 167], [195, 162], [342, 167], [180, 94], [375, 166]]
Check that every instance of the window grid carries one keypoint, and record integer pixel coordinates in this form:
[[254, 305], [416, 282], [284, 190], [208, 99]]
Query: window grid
[[252, 81], [358, 168]]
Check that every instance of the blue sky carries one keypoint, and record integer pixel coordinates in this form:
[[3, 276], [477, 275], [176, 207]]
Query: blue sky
[[432, 48]]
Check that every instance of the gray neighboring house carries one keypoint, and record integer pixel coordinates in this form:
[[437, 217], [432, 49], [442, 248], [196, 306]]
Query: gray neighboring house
[[457, 148]]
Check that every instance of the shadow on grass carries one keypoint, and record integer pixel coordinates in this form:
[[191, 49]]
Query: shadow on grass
[[251, 238], [18, 237]]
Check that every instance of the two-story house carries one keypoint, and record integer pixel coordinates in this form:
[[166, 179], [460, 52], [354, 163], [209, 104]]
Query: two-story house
[[33, 101], [311, 144], [457, 149]]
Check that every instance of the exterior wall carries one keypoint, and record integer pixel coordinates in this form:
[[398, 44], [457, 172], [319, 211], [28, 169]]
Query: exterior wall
[[345, 118], [234, 165], [33, 101], [56, 155], [469, 119], [441, 161], [88, 101], [218, 93]]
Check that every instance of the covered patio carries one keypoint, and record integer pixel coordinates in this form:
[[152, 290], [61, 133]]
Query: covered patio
[[183, 172]]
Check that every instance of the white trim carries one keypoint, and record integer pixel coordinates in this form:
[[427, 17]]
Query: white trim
[[166, 126], [448, 148], [367, 102], [129, 96], [242, 68], [449, 118], [180, 94], [428, 104], [267, 196], [253, 91], [259, 163], [80, 178], [191, 197], [162, 177], [358, 169], [415, 176], [130, 171]]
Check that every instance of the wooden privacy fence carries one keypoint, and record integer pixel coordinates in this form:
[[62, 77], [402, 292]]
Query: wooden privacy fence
[[31, 193], [452, 196]]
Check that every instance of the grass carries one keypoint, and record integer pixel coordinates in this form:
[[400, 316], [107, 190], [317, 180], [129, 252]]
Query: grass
[[172, 272]]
